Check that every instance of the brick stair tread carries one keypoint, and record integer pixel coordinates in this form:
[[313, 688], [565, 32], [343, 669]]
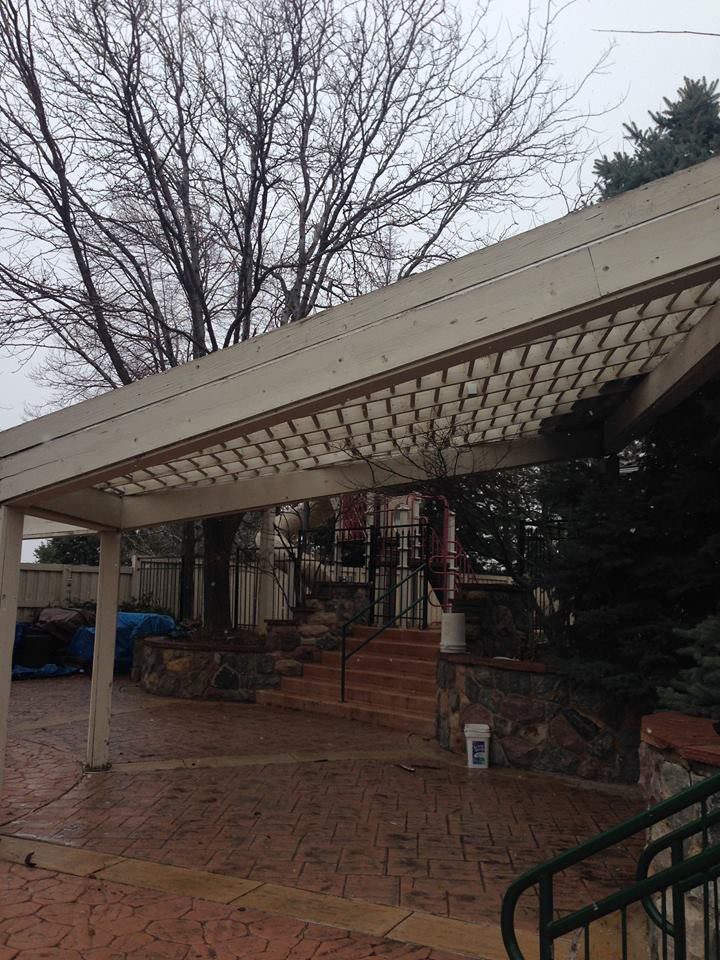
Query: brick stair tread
[[395, 719], [392, 648], [385, 681], [392, 663], [362, 694], [429, 637]]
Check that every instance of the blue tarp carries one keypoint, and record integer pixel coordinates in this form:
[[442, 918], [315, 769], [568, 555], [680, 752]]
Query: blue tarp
[[20, 629], [130, 626], [48, 670]]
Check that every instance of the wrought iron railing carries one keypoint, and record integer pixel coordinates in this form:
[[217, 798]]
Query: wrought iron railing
[[418, 579], [688, 871]]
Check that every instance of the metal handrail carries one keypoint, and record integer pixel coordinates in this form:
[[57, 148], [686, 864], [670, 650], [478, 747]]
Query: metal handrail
[[671, 841], [682, 875], [345, 656]]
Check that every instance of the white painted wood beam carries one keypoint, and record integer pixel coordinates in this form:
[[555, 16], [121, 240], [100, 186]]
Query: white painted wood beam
[[92, 509], [694, 361], [35, 528], [642, 245], [144, 510], [11, 530], [651, 202], [98, 742]]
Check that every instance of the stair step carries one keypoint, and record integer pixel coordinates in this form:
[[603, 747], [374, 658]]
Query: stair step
[[328, 673], [355, 693], [396, 648], [383, 664], [393, 719], [429, 637]]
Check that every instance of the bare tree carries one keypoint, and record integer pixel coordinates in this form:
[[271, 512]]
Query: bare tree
[[180, 176]]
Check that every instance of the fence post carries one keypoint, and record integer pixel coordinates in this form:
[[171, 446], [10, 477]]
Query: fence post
[[372, 568], [135, 577], [67, 583]]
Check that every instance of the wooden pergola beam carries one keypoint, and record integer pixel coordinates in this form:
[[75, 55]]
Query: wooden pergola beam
[[145, 510], [640, 246], [694, 361], [92, 509], [36, 528]]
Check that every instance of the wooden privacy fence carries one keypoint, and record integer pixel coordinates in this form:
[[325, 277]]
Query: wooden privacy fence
[[153, 580], [52, 584]]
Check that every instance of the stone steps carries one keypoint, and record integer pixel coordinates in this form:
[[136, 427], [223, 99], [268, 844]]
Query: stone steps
[[351, 710], [360, 693], [391, 682], [392, 649], [378, 663], [420, 638], [325, 673]]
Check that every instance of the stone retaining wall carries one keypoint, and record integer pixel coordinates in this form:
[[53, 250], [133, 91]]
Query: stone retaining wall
[[203, 671], [676, 752], [539, 720]]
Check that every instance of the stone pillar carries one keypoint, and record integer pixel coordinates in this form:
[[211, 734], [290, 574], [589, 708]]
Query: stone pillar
[[11, 531], [266, 571]]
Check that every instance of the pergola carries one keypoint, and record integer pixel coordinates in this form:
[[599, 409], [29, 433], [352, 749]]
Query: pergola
[[557, 343]]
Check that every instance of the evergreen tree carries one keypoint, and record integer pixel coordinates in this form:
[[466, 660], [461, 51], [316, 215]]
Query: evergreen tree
[[697, 690], [685, 132], [641, 552], [641, 556], [72, 551]]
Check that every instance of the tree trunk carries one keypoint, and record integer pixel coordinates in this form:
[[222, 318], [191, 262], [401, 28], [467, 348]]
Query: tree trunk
[[219, 536], [187, 585]]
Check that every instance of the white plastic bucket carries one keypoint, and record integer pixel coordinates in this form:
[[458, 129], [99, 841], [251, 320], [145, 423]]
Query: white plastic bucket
[[477, 738]]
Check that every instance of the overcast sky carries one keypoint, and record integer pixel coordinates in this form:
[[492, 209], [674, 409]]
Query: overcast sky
[[641, 70]]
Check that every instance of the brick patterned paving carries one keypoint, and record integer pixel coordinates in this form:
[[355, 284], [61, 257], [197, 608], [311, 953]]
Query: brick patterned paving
[[47, 916], [35, 774], [142, 729], [441, 839]]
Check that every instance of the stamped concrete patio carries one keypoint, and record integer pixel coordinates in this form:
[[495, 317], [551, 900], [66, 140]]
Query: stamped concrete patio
[[237, 830]]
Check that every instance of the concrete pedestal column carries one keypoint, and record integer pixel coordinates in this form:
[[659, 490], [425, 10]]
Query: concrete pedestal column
[[452, 633]]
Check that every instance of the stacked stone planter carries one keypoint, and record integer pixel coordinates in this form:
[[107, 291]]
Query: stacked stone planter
[[676, 752], [205, 670], [539, 720], [316, 626]]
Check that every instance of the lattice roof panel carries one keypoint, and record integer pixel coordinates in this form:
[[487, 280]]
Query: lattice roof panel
[[498, 396]]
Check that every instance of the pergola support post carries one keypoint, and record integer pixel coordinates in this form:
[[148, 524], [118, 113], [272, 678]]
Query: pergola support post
[[11, 531], [98, 744], [266, 571]]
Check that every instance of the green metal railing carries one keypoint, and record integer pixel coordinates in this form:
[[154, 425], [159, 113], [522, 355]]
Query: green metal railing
[[419, 572], [686, 872]]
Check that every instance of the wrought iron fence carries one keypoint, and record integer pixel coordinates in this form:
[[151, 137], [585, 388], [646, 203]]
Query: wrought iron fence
[[377, 557], [161, 584], [539, 546]]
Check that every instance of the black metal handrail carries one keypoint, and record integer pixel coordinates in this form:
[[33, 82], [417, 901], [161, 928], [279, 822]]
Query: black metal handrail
[[683, 875], [345, 655]]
